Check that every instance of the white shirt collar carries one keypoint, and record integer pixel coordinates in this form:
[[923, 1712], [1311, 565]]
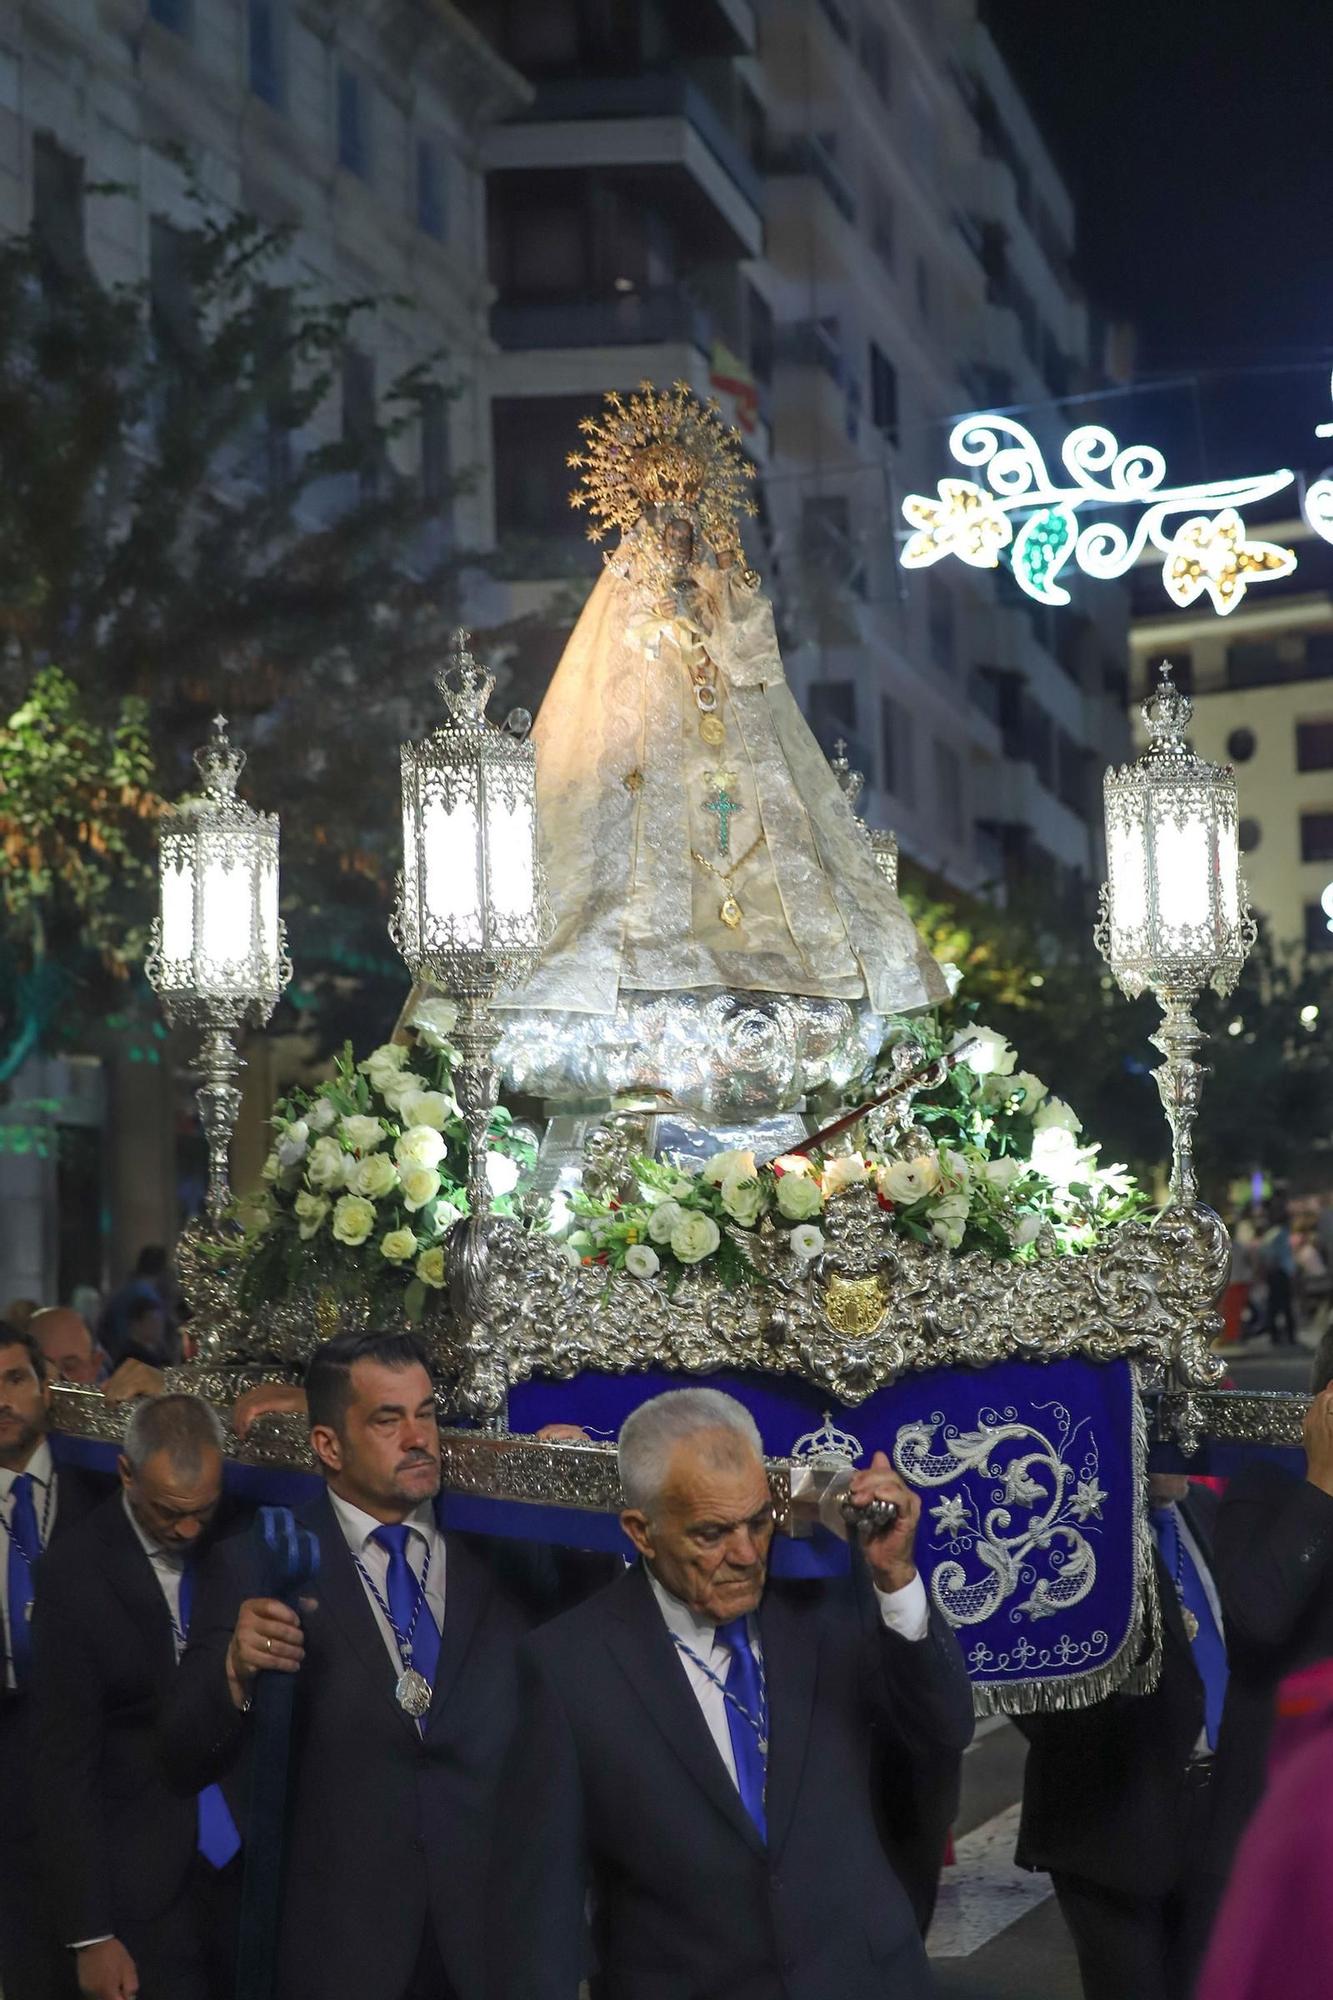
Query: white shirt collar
[[153, 1550], [41, 1465], [358, 1526], [681, 1622]]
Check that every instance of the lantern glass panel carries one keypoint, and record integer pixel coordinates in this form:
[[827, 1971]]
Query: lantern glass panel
[[1184, 874], [224, 944], [509, 854], [1228, 863], [453, 903], [177, 910], [1128, 879]]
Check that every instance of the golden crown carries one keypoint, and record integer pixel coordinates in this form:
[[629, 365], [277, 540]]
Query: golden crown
[[663, 448]]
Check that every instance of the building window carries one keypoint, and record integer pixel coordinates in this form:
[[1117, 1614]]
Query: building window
[[1241, 745], [826, 538], [431, 210], [875, 57], [899, 757], [923, 289], [1314, 746], [883, 393], [267, 68], [1248, 835], [760, 315], [435, 480], [949, 790], [173, 14], [530, 437], [832, 707], [57, 205], [353, 136], [1318, 937], [1317, 836], [360, 428], [1255, 663], [882, 228], [940, 625]]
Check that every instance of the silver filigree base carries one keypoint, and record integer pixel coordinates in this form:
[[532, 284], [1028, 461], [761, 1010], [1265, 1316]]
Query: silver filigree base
[[726, 1055]]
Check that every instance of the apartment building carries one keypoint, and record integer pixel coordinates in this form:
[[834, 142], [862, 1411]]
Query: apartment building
[[843, 206]]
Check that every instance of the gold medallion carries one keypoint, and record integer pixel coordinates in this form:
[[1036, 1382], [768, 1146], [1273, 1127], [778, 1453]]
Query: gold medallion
[[713, 731], [730, 913]]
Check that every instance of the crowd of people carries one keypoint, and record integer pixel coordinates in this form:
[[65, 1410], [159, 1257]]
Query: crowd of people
[[523, 1773]]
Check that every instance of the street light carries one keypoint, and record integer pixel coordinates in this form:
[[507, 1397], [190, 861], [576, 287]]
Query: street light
[[218, 950], [1174, 914], [470, 915]]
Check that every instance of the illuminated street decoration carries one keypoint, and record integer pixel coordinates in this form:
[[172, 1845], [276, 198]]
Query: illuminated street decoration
[[1319, 496], [1043, 522]]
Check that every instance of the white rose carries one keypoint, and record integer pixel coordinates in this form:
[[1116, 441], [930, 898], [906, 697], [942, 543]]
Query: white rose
[[843, 1172], [1003, 1173], [1055, 1113], [383, 1064], [501, 1173], [1028, 1230], [948, 1220], [427, 1107], [398, 1089], [723, 1166], [798, 1197], [743, 1199], [988, 1054], [353, 1219], [570, 1254], [311, 1210], [955, 1166], [435, 1020], [324, 1167], [374, 1177], [445, 1216], [641, 1261], [694, 1236], [1057, 1154], [429, 1267], [663, 1220], [906, 1181], [361, 1135], [420, 1185], [806, 1241], [1032, 1087], [321, 1114], [271, 1168], [398, 1245], [419, 1146], [293, 1143]]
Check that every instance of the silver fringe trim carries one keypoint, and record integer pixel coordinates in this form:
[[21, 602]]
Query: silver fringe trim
[[1131, 1670]]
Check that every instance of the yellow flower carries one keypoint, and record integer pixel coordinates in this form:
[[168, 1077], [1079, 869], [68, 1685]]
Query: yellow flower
[[353, 1219], [430, 1267], [398, 1245], [420, 1185]]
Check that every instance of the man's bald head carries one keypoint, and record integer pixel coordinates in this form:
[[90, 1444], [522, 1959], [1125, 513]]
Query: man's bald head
[[63, 1336]]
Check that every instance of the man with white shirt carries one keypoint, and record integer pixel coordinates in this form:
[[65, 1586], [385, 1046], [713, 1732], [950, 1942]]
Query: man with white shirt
[[144, 1883], [695, 1746], [41, 1500], [405, 1650]]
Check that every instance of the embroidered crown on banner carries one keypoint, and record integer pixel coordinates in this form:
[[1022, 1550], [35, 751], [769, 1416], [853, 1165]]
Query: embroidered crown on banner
[[828, 1447]]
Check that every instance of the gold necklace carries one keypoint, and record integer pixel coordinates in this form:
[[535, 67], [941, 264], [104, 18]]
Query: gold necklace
[[730, 911]]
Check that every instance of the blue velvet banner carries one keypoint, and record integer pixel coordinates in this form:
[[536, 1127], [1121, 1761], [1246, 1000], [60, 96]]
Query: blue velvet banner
[[1033, 1537]]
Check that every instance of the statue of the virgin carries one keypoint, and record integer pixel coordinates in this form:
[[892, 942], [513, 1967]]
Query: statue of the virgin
[[723, 934]]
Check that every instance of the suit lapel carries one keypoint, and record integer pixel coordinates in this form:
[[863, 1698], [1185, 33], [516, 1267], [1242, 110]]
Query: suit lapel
[[790, 1668], [342, 1595], [638, 1637], [467, 1587], [134, 1580]]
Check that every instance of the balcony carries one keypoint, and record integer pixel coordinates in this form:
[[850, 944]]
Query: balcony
[[806, 155], [636, 319], [628, 120]]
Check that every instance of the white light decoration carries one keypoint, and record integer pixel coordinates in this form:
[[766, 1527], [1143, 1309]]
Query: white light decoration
[[470, 916], [218, 950], [1318, 502], [1174, 914], [1040, 520]]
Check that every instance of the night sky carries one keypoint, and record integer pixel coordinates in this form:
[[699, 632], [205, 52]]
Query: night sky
[[1195, 140]]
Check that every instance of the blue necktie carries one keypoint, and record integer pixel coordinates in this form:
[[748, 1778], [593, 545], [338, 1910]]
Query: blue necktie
[[1207, 1645], [25, 1546], [217, 1838], [404, 1594], [744, 1686]]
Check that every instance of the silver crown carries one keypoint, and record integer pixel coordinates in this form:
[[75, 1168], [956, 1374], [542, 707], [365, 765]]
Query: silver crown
[[828, 1447]]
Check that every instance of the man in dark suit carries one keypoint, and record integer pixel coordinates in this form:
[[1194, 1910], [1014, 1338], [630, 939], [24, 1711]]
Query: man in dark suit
[[405, 1650], [695, 1746], [1117, 1798], [41, 1500], [144, 1883], [1274, 1563]]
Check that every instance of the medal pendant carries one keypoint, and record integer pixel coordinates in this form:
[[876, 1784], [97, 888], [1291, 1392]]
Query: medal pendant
[[730, 913], [705, 697], [1191, 1623], [713, 731], [413, 1692]]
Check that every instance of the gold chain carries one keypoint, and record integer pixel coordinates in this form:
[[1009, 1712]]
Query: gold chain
[[735, 867]]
